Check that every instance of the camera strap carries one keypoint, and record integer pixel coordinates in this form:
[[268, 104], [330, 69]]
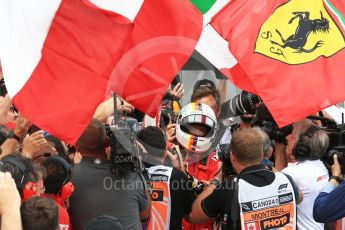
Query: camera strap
[[143, 173], [179, 157], [116, 115]]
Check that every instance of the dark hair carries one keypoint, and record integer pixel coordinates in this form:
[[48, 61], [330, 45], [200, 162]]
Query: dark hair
[[92, 141], [56, 175], [205, 92], [153, 140], [57, 145], [21, 175], [39, 213], [246, 145]]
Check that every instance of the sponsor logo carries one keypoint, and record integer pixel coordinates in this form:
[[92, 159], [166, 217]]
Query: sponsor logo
[[265, 203], [157, 195], [299, 32], [282, 186], [321, 178], [286, 198], [159, 178], [246, 207], [161, 170]]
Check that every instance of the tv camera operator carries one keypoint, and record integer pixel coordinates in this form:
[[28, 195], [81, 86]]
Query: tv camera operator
[[330, 205], [108, 185], [308, 172]]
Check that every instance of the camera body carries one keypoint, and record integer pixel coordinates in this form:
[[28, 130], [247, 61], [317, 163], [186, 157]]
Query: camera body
[[123, 147], [340, 152], [167, 116], [336, 136], [224, 156], [265, 121]]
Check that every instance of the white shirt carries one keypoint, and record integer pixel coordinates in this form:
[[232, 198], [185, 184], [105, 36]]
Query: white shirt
[[310, 177]]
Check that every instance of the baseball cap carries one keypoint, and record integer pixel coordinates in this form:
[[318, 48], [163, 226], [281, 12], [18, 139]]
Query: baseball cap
[[204, 83]]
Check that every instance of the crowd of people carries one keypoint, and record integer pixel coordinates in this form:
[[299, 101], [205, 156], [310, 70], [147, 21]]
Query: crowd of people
[[188, 168]]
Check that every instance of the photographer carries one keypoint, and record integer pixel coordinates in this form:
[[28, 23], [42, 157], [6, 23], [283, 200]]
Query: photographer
[[329, 205], [278, 136], [172, 189], [98, 191], [309, 172], [226, 201]]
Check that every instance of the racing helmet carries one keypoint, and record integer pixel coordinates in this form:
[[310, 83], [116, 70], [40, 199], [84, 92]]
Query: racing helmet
[[191, 115]]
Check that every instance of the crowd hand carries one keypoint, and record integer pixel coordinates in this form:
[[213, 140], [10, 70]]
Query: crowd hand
[[171, 132], [9, 196], [336, 168], [35, 144], [177, 91], [126, 107], [5, 104], [106, 108], [173, 157], [22, 126], [219, 175]]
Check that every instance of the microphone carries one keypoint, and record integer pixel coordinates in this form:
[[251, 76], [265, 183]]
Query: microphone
[[44, 154]]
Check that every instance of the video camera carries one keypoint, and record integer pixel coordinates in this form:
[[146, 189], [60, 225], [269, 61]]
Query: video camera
[[265, 121], [224, 156], [123, 147], [336, 134], [167, 114]]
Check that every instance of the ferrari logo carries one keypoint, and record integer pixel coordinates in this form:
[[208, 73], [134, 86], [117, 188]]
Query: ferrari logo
[[299, 32]]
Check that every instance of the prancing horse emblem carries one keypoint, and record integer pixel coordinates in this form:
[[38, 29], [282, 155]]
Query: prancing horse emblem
[[305, 26]]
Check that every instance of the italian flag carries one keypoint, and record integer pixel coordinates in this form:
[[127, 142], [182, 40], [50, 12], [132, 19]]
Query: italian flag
[[60, 58], [211, 44]]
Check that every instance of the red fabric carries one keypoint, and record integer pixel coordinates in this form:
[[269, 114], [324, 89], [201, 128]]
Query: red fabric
[[291, 92], [203, 173], [81, 48], [64, 223], [164, 36]]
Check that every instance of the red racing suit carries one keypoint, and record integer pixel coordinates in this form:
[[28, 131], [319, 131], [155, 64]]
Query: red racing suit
[[203, 170]]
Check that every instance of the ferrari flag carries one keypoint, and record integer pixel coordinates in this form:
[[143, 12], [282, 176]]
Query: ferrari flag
[[289, 52]]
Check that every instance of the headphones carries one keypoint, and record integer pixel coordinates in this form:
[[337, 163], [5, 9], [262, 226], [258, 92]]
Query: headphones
[[67, 187], [27, 188], [302, 150]]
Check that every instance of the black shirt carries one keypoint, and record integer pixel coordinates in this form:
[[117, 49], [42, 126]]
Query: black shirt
[[216, 203], [181, 193]]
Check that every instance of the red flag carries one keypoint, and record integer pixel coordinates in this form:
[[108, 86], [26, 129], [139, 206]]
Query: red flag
[[164, 36], [58, 58], [289, 52]]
